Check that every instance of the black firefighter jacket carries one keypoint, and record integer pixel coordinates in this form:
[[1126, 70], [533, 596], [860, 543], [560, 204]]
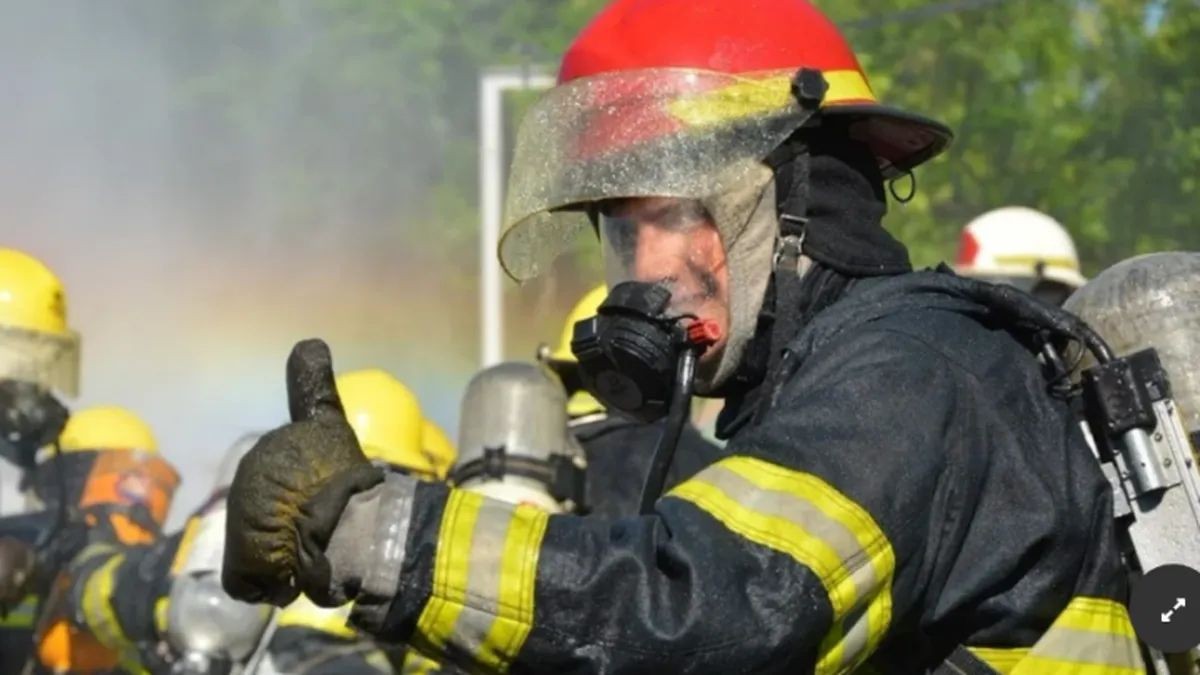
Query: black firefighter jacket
[[914, 488], [619, 450]]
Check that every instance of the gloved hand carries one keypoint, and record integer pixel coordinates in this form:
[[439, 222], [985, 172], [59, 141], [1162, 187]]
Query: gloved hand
[[17, 562], [291, 488]]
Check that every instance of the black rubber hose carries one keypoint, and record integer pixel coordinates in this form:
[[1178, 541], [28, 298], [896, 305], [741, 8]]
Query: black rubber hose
[[677, 416], [1026, 310]]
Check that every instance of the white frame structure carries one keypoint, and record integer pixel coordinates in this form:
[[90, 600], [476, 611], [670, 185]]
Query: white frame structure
[[493, 84]]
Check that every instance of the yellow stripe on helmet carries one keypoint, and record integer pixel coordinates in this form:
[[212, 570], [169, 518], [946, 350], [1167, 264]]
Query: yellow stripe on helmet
[[1035, 260], [757, 97], [804, 517]]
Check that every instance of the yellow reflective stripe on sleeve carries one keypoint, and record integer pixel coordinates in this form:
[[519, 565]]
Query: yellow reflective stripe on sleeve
[[1001, 659], [328, 620], [379, 661], [102, 620], [448, 595], [185, 545], [804, 517], [417, 664], [22, 615], [483, 579], [1092, 636], [161, 608]]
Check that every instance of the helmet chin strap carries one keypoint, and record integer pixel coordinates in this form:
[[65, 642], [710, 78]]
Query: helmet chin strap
[[791, 164], [742, 365]]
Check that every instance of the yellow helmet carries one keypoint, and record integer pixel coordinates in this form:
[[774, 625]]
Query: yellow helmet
[[106, 427], [438, 447], [113, 456], [36, 344], [587, 307], [562, 359], [386, 418]]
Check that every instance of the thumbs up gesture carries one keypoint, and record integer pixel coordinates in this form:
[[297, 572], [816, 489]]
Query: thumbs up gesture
[[291, 488]]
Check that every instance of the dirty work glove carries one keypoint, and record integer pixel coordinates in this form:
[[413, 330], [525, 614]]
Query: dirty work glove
[[17, 562], [291, 488]]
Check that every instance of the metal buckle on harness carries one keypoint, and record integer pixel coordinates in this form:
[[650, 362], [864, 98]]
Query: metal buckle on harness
[[790, 247], [564, 476]]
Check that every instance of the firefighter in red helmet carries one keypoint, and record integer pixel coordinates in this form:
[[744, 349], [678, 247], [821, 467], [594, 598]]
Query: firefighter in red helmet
[[900, 491]]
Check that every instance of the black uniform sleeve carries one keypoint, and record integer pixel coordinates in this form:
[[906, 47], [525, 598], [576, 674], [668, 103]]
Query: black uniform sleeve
[[793, 553], [119, 594]]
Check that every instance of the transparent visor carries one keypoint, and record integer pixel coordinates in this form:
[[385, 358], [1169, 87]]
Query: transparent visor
[[661, 132], [47, 359], [666, 241]]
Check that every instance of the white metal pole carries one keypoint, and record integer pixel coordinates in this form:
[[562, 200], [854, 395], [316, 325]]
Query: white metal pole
[[490, 172], [492, 87]]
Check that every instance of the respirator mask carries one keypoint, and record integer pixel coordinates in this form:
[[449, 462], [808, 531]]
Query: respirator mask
[[637, 357], [30, 418]]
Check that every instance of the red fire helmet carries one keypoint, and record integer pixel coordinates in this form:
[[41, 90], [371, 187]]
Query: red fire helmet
[[681, 98], [752, 36]]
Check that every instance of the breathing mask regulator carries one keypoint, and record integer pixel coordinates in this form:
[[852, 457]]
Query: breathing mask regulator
[[31, 418], [636, 358], [513, 440]]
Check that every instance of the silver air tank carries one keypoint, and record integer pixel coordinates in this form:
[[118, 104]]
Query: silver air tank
[[1152, 301], [513, 440], [1148, 310], [210, 632]]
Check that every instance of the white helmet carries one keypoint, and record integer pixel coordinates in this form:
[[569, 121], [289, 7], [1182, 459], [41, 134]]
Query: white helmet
[[1018, 243]]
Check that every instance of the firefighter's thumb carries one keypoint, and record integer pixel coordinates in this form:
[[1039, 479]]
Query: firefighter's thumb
[[312, 393]]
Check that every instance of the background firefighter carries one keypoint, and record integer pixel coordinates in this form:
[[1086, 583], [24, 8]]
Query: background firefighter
[[1021, 247], [161, 604], [39, 363]]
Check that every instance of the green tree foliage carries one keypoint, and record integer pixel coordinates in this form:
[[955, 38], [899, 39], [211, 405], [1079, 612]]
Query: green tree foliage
[[1086, 109]]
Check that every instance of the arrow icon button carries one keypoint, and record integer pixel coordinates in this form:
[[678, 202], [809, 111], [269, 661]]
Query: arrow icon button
[[1160, 611]]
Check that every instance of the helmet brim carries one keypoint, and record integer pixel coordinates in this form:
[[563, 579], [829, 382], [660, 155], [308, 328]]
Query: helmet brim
[[901, 140]]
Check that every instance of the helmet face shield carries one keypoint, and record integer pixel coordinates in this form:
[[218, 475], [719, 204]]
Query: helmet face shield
[[658, 132], [46, 359], [670, 242]]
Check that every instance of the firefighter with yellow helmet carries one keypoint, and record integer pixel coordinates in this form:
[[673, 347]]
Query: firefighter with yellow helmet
[[117, 490], [616, 447], [182, 619], [39, 362], [1021, 247], [900, 492]]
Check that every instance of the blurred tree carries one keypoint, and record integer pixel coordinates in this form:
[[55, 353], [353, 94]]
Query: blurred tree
[[1086, 109]]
